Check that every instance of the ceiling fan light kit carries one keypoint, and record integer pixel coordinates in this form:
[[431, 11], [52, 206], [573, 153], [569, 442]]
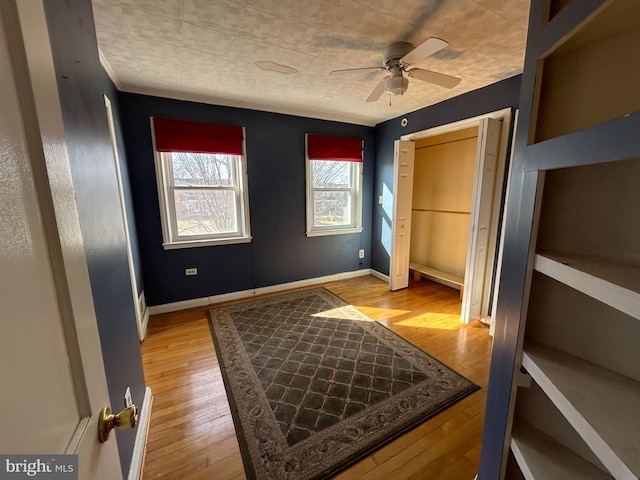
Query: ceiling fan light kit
[[397, 58], [396, 84]]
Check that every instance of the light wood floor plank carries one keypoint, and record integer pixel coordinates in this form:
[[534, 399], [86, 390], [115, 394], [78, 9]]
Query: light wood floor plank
[[192, 436]]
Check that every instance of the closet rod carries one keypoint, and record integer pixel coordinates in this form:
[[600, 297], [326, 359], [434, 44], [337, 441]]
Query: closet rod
[[447, 142]]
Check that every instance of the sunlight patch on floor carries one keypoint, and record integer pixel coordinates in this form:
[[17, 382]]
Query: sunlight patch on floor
[[441, 321], [347, 312], [392, 317], [350, 312], [382, 313]]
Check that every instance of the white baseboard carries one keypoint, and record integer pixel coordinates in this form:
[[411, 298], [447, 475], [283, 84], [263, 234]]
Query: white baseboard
[[145, 323], [381, 276], [225, 297], [177, 306], [137, 458], [144, 315]]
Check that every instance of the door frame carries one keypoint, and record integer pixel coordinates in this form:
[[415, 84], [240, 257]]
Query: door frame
[[141, 319], [505, 115]]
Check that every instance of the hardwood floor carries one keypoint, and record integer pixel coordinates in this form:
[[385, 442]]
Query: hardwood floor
[[192, 436]]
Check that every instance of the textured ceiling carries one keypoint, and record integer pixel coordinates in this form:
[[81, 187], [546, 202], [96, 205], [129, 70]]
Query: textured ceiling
[[205, 50]]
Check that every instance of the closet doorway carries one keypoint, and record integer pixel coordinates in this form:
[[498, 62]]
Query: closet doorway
[[448, 184]]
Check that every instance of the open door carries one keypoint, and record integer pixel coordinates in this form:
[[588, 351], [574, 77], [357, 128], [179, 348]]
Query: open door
[[477, 281], [403, 160], [51, 367]]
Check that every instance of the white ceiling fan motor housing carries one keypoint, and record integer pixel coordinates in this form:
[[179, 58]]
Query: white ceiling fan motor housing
[[395, 52]]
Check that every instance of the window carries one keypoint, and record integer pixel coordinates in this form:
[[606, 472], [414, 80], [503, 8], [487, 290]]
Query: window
[[334, 185], [202, 183]]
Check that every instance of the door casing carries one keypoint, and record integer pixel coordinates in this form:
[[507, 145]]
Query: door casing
[[479, 276]]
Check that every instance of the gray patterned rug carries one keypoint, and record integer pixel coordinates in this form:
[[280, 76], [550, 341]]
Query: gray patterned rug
[[314, 384]]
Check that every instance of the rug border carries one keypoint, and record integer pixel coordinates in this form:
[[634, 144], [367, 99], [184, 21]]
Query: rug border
[[233, 406], [354, 458]]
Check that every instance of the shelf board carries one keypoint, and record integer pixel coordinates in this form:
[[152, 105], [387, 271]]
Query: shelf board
[[601, 405], [439, 274], [541, 457], [613, 283], [431, 210]]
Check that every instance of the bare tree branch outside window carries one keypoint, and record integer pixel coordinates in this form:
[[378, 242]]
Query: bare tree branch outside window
[[332, 183], [205, 193]]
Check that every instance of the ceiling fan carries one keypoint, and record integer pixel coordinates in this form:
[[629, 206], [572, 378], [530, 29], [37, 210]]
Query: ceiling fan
[[397, 58]]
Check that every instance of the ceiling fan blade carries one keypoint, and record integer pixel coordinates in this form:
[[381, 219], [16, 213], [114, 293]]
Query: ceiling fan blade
[[351, 70], [426, 49], [441, 79], [375, 94]]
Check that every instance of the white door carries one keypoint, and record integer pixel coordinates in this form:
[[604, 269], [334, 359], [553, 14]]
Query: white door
[[475, 282], [403, 159], [52, 377]]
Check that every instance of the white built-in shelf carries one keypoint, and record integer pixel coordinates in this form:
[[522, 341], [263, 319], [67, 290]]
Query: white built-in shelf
[[435, 273], [613, 283], [601, 405], [540, 457]]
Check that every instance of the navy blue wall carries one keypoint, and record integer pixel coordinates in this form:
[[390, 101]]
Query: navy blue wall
[[80, 86], [494, 97], [280, 250]]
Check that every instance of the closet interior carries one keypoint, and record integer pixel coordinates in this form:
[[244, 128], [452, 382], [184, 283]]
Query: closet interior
[[441, 206]]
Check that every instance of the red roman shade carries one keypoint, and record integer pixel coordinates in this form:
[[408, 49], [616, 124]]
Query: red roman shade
[[320, 147], [196, 137]]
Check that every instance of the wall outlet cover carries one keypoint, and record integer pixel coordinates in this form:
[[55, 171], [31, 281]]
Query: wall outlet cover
[[128, 401]]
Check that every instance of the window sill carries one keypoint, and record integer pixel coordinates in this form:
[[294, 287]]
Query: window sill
[[205, 243], [342, 231]]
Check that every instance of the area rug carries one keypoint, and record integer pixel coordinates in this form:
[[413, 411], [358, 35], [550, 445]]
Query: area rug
[[314, 384]]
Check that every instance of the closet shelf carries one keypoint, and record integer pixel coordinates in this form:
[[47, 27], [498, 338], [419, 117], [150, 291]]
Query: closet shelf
[[616, 284], [439, 274], [435, 210], [541, 457], [601, 405]]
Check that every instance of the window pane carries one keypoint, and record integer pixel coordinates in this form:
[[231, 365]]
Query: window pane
[[331, 208], [203, 169], [331, 174], [202, 212]]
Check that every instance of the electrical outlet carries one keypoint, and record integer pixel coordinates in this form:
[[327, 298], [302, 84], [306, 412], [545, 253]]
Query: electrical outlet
[[190, 271], [128, 401], [361, 253]]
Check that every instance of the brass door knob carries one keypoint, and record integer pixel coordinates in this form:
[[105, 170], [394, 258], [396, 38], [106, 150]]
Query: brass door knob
[[127, 418]]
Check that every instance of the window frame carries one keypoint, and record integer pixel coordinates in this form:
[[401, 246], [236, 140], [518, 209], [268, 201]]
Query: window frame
[[356, 175], [168, 217]]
